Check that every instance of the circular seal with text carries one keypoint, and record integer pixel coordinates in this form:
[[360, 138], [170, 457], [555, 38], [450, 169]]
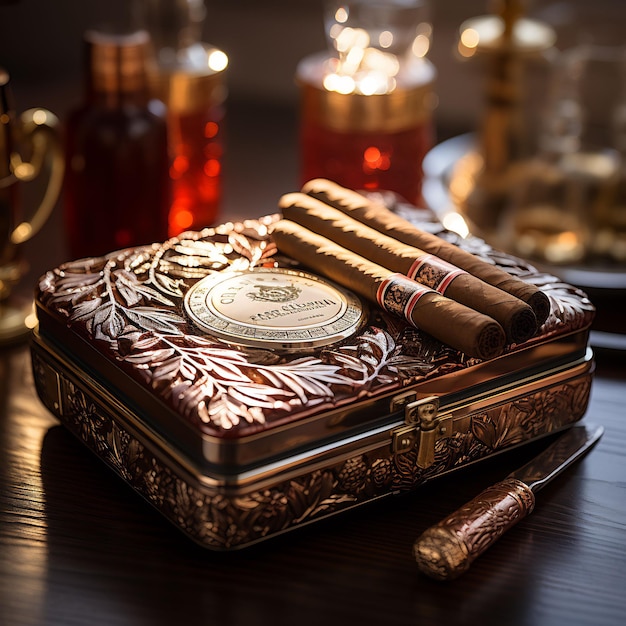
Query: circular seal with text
[[274, 308]]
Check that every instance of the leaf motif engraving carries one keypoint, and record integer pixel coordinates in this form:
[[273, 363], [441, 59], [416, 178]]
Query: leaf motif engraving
[[223, 387], [130, 301], [113, 325], [134, 291], [484, 430], [169, 285], [159, 320]]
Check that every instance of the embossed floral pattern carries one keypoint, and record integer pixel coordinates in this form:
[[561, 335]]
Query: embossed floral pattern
[[220, 522], [130, 304]]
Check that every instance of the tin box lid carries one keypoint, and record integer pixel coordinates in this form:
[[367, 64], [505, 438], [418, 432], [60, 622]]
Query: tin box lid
[[155, 326]]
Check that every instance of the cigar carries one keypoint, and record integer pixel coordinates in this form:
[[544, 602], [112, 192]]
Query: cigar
[[379, 217], [515, 316], [462, 328]]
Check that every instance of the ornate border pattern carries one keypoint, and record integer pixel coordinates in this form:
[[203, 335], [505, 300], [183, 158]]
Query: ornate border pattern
[[220, 521]]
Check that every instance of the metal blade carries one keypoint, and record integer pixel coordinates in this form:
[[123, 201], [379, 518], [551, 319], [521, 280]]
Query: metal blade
[[558, 456]]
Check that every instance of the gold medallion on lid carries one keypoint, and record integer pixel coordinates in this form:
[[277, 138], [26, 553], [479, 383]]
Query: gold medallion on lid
[[274, 308]]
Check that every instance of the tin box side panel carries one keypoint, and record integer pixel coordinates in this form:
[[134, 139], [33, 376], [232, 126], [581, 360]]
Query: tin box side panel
[[224, 513]]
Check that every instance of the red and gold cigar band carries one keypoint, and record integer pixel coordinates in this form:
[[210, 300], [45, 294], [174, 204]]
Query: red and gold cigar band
[[398, 294], [434, 272]]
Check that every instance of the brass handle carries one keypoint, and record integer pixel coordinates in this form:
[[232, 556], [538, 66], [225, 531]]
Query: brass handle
[[447, 549], [38, 129]]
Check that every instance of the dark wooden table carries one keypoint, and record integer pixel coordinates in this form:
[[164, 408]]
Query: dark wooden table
[[78, 547]]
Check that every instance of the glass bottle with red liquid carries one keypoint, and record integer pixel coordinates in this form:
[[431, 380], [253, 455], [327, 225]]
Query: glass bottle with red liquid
[[189, 78], [117, 187], [366, 108]]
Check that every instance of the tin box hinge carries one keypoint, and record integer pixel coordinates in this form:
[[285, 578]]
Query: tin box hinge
[[423, 427]]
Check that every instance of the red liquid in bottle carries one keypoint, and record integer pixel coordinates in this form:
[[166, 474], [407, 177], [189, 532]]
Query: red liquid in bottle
[[195, 139], [367, 160], [366, 142], [117, 188]]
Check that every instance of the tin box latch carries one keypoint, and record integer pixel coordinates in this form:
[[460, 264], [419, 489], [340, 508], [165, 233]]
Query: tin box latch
[[423, 426]]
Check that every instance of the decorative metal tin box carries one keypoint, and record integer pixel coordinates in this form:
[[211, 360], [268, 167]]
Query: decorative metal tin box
[[243, 400]]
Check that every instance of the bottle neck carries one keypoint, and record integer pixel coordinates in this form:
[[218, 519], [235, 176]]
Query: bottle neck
[[174, 25], [117, 68]]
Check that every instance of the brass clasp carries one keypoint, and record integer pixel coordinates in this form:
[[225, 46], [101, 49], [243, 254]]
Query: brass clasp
[[424, 425]]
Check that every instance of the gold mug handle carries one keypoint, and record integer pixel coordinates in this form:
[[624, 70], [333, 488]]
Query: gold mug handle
[[38, 132]]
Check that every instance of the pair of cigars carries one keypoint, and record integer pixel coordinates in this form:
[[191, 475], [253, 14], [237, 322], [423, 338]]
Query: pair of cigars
[[456, 297]]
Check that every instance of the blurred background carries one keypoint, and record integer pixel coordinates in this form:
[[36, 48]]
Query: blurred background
[[41, 44], [41, 47]]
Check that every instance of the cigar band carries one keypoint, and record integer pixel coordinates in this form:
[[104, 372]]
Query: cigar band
[[434, 272], [398, 294]]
